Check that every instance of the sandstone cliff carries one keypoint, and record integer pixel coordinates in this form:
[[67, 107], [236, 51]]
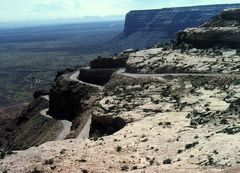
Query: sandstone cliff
[[223, 30], [145, 28]]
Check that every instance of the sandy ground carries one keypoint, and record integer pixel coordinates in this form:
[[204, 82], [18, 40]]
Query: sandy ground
[[86, 130], [140, 146]]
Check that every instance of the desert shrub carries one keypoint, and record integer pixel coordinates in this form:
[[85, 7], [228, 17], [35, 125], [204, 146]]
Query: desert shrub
[[236, 82]]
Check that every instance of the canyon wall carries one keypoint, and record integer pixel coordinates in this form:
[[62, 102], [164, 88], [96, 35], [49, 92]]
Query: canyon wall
[[223, 30], [144, 28]]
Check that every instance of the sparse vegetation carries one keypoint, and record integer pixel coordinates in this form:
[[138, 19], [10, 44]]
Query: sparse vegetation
[[167, 161], [31, 57], [63, 151], [48, 162], [37, 171], [145, 140], [124, 168], [119, 148], [192, 145], [180, 151], [4, 153], [84, 171]]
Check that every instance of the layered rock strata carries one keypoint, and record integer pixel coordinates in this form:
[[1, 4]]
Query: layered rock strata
[[214, 33]]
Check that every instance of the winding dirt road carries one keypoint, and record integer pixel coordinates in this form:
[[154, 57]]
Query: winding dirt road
[[86, 130], [66, 124], [137, 75], [74, 77]]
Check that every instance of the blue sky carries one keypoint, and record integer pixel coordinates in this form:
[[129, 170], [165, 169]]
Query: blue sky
[[23, 10]]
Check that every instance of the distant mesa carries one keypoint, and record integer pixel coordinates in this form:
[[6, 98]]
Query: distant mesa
[[171, 20], [145, 28]]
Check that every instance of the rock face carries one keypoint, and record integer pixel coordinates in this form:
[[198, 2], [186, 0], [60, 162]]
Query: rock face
[[208, 37], [223, 30], [96, 76], [105, 125], [103, 68], [40, 93], [171, 20], [231, 14], [146, 27], [108, 63], [67, 98]]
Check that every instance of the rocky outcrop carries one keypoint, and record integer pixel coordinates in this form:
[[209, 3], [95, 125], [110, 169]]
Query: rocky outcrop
[[102, 68], [67, 97], [96, 76], [231, 14], [40, 93], [223, 30], [105, 125], [208, 37], [108, 63]]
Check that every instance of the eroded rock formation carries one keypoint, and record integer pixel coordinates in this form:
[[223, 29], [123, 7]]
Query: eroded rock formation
[[96, 76], [67, 98], [223, 30]]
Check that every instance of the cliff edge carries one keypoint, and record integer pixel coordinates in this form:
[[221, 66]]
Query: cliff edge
[[144, 28]]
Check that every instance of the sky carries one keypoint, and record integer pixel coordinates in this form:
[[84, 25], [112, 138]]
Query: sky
[[28, 10]]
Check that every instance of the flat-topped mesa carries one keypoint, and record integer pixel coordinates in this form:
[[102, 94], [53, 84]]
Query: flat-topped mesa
[[222, 30]]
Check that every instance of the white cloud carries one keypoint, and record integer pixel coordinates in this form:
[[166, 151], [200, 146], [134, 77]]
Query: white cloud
[[49, 9]]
